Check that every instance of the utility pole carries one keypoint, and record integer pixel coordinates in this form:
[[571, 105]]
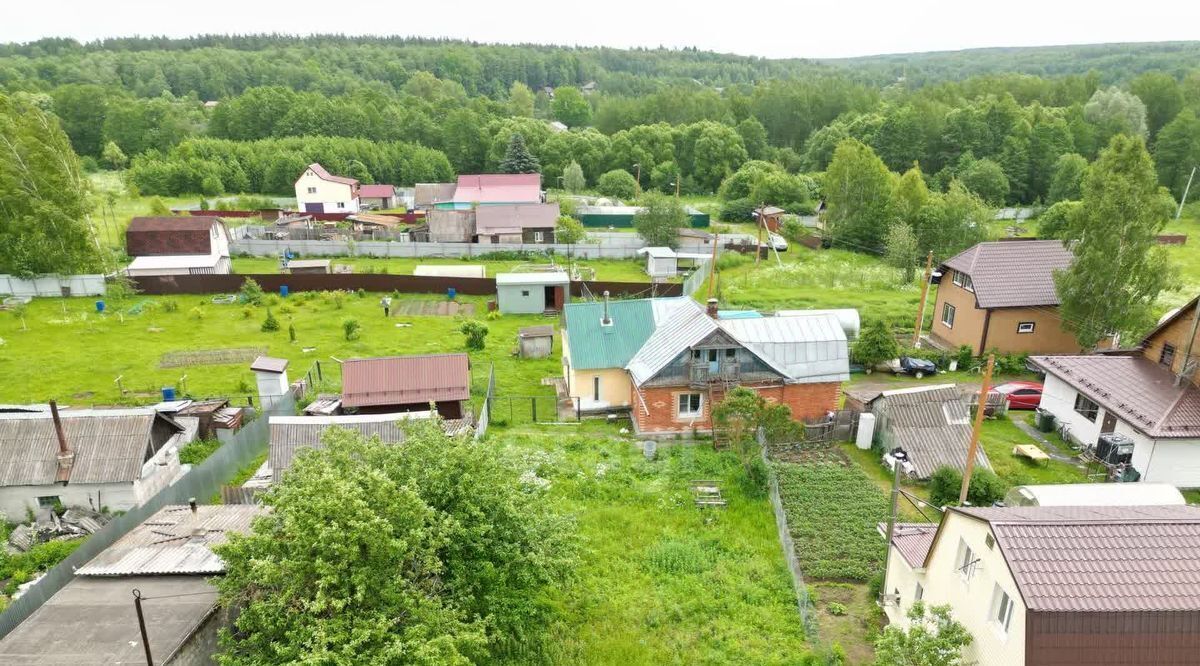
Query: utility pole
[[677, 188], [924, 295], [137, 604], [1185, 193], [980, 408], [638, 166], [891, 526], [712, 269], [758, 248]]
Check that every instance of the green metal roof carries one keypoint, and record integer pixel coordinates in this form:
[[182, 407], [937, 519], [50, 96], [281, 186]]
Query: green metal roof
[[593, 346]]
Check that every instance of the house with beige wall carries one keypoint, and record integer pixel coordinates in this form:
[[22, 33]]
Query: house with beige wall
[[1001, 295], [1056, 585], [318, 191]]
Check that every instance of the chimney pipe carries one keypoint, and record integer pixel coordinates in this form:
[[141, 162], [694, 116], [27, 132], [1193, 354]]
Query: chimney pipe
[[606, 321], [66, 458], [712, 308], [192, 504]]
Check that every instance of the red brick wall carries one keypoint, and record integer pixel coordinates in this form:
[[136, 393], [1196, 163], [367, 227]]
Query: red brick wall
[[806, 401]]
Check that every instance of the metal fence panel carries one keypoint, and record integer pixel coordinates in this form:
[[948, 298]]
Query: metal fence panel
[[201, 482]]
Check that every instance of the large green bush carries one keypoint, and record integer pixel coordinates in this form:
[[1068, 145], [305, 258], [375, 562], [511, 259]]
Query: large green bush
[[946, 483]]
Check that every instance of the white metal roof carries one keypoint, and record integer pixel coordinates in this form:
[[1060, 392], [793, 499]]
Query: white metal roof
[[808, 349], [552, 277], [1095, 494], [847, 317], [459, 270], [174, 261], [688, 325]]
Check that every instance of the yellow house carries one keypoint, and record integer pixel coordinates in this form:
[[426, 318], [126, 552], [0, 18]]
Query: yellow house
[[599, 339], [318, 191], [1056, 585]]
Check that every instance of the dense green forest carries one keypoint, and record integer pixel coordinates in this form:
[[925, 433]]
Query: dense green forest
[[218, 114]]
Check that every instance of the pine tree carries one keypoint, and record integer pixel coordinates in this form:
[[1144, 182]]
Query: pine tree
[[518, 159]]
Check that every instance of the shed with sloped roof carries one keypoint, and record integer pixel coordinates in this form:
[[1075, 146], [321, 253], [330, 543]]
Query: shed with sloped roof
[[391, 384]]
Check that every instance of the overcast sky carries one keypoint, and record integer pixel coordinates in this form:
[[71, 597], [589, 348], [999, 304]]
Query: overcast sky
[[777, 29]]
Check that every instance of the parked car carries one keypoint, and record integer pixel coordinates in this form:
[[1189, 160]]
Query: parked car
[[776, 241], [1021, 394], [908, 365]]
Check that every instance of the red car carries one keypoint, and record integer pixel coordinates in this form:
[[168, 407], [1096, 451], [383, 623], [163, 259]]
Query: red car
[[1021, 394]]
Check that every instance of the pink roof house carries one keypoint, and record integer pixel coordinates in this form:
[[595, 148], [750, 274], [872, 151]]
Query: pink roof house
[[496, 188]]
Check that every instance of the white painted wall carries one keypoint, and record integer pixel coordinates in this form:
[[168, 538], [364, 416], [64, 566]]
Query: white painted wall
[[52, 285], [901, 579], [1058, 397], [326, 193]]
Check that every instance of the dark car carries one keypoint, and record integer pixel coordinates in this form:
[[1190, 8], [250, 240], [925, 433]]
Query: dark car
[[917, 367], [1021, 394]]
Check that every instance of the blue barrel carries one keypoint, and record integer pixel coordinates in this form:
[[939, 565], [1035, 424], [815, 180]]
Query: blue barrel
[[451, 293], [99, 306], [283, 290], [168, 393]]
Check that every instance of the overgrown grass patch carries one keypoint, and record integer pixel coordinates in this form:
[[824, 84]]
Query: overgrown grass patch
[[998, 438], [833, 510]]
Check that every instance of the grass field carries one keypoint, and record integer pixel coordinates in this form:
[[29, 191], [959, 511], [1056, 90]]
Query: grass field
[[660, 581], [614, 270], [65, 350]]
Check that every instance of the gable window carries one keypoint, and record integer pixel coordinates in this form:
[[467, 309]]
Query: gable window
[[689, 404], [963, 280], [948, 315], [1167, 356], [1085, 407], [966, 561], [1025, 327], [1002, 610], [596, 389]]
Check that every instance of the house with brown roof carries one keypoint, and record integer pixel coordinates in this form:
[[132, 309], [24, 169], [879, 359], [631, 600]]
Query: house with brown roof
[[91, 458], [1001, 295], [377, 196], [184, 245], [1148, 395], [1056, 586], [169, 559], [393, 384], [318, 191], [516, 223]]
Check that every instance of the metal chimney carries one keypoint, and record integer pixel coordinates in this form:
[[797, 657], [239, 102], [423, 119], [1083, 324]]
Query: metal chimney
[[66, 457], [606, 321]]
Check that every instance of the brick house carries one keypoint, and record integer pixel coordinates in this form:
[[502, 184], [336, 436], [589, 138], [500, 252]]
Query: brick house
[[1149, 395], [1001, 295], [693, 358]]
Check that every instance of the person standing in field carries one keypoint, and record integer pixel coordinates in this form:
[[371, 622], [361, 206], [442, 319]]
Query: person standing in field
[[386, 302]]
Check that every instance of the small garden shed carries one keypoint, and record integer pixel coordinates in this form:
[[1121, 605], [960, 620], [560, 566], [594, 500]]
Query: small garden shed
[[535, 341], [533, 293]]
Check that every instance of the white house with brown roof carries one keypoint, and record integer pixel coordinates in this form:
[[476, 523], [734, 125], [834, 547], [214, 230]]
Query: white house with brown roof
[[177, 245], [318, 191], [1148, 395], [1056, 585], [1001, 295]]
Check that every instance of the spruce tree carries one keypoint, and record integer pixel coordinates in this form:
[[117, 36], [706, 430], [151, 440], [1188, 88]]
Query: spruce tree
[[518, 159]]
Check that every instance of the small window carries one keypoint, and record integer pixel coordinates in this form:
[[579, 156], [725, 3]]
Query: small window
[[948, 315], [689, 404], [989, 541], [1085, 407], [341, 204], [1167, 357], [1025, 327], [958, 279], [712, 356], [730, 353], [524, 293], [312, 190], [966, 561], [963, 280], [596, 389], [919, 593], [1002, 609], [48, 501], [538, 236]]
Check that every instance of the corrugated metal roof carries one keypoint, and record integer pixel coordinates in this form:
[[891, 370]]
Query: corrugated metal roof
[[1141, 392], [686, 327], [175, 540], [592, 346], [932, 424], [912, 540], [403, 380], [536, 331], [460, 270], [110, 446], [427, 194], [499, 188], [162, 261], [377, 191], [1013, 273], [269, 364], [1100, 559], [291, 434], [325, 175], [544, 278], [515, 217], [805, 348]]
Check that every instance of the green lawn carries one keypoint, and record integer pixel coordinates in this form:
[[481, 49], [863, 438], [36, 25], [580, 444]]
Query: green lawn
[[661, 581], [998, 438], [615, 270], [67, 351]]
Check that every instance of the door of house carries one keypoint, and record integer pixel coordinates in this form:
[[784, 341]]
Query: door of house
[[1109, 424], [712, 361], [314, 208]]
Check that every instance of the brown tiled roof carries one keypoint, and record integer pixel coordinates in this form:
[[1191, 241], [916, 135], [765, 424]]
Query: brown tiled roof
[[1100, 559], [153, 236], [402, 380], [1013, 273], [912, 540], [1138, 390], [377, 191]]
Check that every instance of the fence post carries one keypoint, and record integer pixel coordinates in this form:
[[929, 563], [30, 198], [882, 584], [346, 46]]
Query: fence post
[[320, 377], [533, 408]]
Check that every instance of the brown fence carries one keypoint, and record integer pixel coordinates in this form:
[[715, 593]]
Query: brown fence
[[406, 284], [1172, 239], [273, 213]]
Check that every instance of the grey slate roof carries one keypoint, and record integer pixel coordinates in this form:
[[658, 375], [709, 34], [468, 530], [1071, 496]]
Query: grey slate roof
[[174, 541], [110, 445], [1013, 273], [1139, 391], [1100, 559], [933, 425]]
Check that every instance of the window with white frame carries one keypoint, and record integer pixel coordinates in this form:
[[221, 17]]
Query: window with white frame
[[1025, 327], [948, 315], [341, 204], [966, 562], [689, 404], [963, 280], [1002, 610], [538, 236], [919, 593]]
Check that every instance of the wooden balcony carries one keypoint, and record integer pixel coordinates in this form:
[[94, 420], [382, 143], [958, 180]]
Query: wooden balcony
[[702, 373]]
